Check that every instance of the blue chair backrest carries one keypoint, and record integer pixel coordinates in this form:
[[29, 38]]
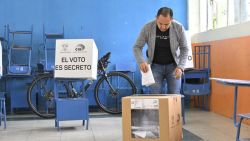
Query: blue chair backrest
[[196, 82], [126, 67]]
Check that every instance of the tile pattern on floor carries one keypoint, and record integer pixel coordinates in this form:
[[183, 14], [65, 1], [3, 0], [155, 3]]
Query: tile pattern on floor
[[102, 127]]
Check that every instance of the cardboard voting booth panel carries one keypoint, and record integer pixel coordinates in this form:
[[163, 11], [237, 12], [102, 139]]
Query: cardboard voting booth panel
[[76, 59], [1, 61], [152, 118]]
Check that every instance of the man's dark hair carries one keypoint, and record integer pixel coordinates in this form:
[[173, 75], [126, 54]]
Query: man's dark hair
[[165, 11]]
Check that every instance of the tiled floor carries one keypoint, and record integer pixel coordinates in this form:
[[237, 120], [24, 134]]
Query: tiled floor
[[207, 125], [213, 127]]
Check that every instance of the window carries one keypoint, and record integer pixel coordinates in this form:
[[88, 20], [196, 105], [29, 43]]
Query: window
[[217, 13]]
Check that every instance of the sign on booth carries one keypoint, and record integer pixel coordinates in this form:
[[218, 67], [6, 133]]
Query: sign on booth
[[76, 59]]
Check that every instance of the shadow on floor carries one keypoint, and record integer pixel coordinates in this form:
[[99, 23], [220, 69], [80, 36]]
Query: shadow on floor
[[188, 136]]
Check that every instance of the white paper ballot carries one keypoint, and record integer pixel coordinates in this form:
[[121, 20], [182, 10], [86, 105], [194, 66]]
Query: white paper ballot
[[140, 134], [147, 78]]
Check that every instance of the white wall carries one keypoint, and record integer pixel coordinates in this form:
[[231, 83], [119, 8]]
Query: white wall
[[193, 13], [233, 31]]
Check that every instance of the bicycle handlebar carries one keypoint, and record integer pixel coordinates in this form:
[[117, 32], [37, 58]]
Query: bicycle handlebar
[[103, 62]]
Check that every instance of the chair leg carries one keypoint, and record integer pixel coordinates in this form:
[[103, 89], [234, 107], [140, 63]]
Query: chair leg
[[1, 111], [4, 112], [203, 102], [206, 102], [56, 123], [194, 101], [183, 110], [199, 103], [87, 124], [204, 98], [238, 129]]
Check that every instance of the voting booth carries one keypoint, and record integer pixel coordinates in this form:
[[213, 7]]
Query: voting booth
[[75, 59]]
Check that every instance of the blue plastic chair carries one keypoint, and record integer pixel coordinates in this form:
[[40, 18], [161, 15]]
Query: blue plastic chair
[[242, 116], [2, 109], [196, 81], [129, 68], [49, 44], [19, 42]]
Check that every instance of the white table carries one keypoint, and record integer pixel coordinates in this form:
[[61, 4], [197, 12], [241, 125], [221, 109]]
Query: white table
[[236, 83]]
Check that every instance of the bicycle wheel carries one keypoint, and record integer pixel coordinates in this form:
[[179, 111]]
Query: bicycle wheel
[[40, 96], [109, 92]]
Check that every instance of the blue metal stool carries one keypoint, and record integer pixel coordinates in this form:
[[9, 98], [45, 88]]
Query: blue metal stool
[[72, 109], [242, 116], [2, 109]]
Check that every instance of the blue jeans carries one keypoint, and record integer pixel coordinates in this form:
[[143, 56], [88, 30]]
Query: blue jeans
[[161, 72]]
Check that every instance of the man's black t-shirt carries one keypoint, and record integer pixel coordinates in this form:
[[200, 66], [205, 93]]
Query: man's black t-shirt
[[162, 53]]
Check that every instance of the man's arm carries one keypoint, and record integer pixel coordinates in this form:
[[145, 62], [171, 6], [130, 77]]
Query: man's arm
[[183, 48], [137, 49]]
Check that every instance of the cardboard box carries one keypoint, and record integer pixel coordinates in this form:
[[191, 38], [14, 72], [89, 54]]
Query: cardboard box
[[152, 118], [76, 58]]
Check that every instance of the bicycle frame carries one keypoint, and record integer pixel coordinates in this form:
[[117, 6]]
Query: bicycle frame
[[102, 65], [113, 93]]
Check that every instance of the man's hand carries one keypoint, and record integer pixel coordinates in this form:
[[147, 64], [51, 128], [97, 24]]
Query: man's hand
[[178, 73], [144, 67]]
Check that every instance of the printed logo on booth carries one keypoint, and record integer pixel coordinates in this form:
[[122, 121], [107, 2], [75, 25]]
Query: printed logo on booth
[[65, 48], [79, 48]]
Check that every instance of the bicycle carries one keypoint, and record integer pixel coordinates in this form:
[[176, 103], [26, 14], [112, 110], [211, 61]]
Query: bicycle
[[108, 91]]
